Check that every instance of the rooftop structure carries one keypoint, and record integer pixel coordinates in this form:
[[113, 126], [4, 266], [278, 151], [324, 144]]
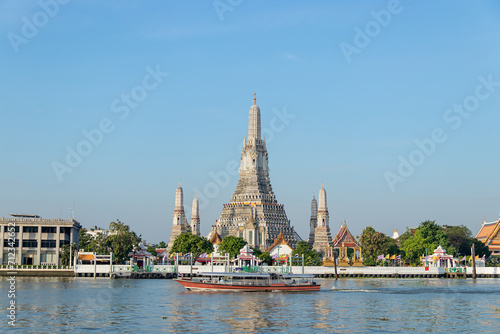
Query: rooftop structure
[[489, 235], [345, 238]]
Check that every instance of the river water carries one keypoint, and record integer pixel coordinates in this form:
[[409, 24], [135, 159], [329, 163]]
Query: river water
[[87, 305]]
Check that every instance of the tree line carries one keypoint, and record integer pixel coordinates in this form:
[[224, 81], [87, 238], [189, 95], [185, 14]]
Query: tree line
[[423, 240]]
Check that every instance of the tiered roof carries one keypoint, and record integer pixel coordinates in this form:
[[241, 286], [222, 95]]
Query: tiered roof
[[216, 238], [280, 240], [489, 235], [344, 237]]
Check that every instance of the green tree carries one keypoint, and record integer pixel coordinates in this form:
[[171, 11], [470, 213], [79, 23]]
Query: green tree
[[460, 237], [375, 243], [84, 239], [232, 245], [191, 243], [64, 254], [479, 248], [162, 244], [428, 236], [121, 240], [265, 257], [311, 256], [152, 250]]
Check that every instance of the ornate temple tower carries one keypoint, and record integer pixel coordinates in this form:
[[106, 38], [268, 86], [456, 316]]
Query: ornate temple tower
[[313, 221], [195, 217], [253, 212], [322, 235], [179, 222]]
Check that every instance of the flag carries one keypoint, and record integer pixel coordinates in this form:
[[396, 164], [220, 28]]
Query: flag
[[393, 257], [477, 257], [204, 255], [463, 259], [274, 256], [387, 256], [380, 257], [180, 274], [296, 255], [398, 257], [484, 257]]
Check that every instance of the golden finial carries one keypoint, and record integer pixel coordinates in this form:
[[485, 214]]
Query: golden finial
[[254, 99]]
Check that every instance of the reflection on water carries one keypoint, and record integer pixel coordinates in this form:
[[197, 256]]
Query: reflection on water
[[344, 306]]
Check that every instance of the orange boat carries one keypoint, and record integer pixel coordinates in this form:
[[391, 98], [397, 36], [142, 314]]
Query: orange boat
[[248, 282]]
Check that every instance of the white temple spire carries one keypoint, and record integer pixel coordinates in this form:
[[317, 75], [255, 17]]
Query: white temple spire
[[254, 131], [195, 217], [322, 199]]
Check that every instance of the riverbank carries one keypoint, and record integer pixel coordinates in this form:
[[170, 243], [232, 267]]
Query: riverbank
[[170, 271]]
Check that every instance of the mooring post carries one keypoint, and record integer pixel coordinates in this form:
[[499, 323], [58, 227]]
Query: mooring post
[[335, 264], [302, 263], [473, 258]]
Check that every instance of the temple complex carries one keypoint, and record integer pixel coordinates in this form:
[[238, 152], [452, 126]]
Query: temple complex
[[253, 212], [322, 238], [489, 235]]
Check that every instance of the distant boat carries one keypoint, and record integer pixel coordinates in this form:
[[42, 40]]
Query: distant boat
[[249, 282]]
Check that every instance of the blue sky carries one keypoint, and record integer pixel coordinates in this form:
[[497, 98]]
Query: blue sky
[[348, 119]]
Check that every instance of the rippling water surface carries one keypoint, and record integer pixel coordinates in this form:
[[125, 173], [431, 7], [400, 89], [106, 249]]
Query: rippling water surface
[[86, 305]]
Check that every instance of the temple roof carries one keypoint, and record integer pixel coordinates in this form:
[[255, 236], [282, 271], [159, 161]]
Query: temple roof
[[487, 231], [216, 238], [280, 240], [344, 237]]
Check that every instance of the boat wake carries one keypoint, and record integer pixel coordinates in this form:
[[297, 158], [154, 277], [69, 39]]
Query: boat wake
[[354, 290]]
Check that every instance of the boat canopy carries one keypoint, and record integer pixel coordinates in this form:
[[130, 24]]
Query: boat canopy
[[247, 275]]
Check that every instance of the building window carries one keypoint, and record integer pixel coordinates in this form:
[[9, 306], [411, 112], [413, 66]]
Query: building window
[[48, 258], [8, 229], [48, 244], [241, 234], [8, 244], [260, 238], [250, 237], [30, 243], [49, 229], [65, 230], [63, 242], [30, 229]]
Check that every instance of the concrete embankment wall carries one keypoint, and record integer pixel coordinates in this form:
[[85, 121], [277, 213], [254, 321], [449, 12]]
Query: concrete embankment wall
[[160, 271], [38, 272]]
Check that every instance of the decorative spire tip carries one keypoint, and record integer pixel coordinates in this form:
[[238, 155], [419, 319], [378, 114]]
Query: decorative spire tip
[[254, 99]]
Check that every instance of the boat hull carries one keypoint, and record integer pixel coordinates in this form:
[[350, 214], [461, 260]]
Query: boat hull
[[202, 286]]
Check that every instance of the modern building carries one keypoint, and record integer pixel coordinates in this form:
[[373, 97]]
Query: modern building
[[253, 212], [36, 241]]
